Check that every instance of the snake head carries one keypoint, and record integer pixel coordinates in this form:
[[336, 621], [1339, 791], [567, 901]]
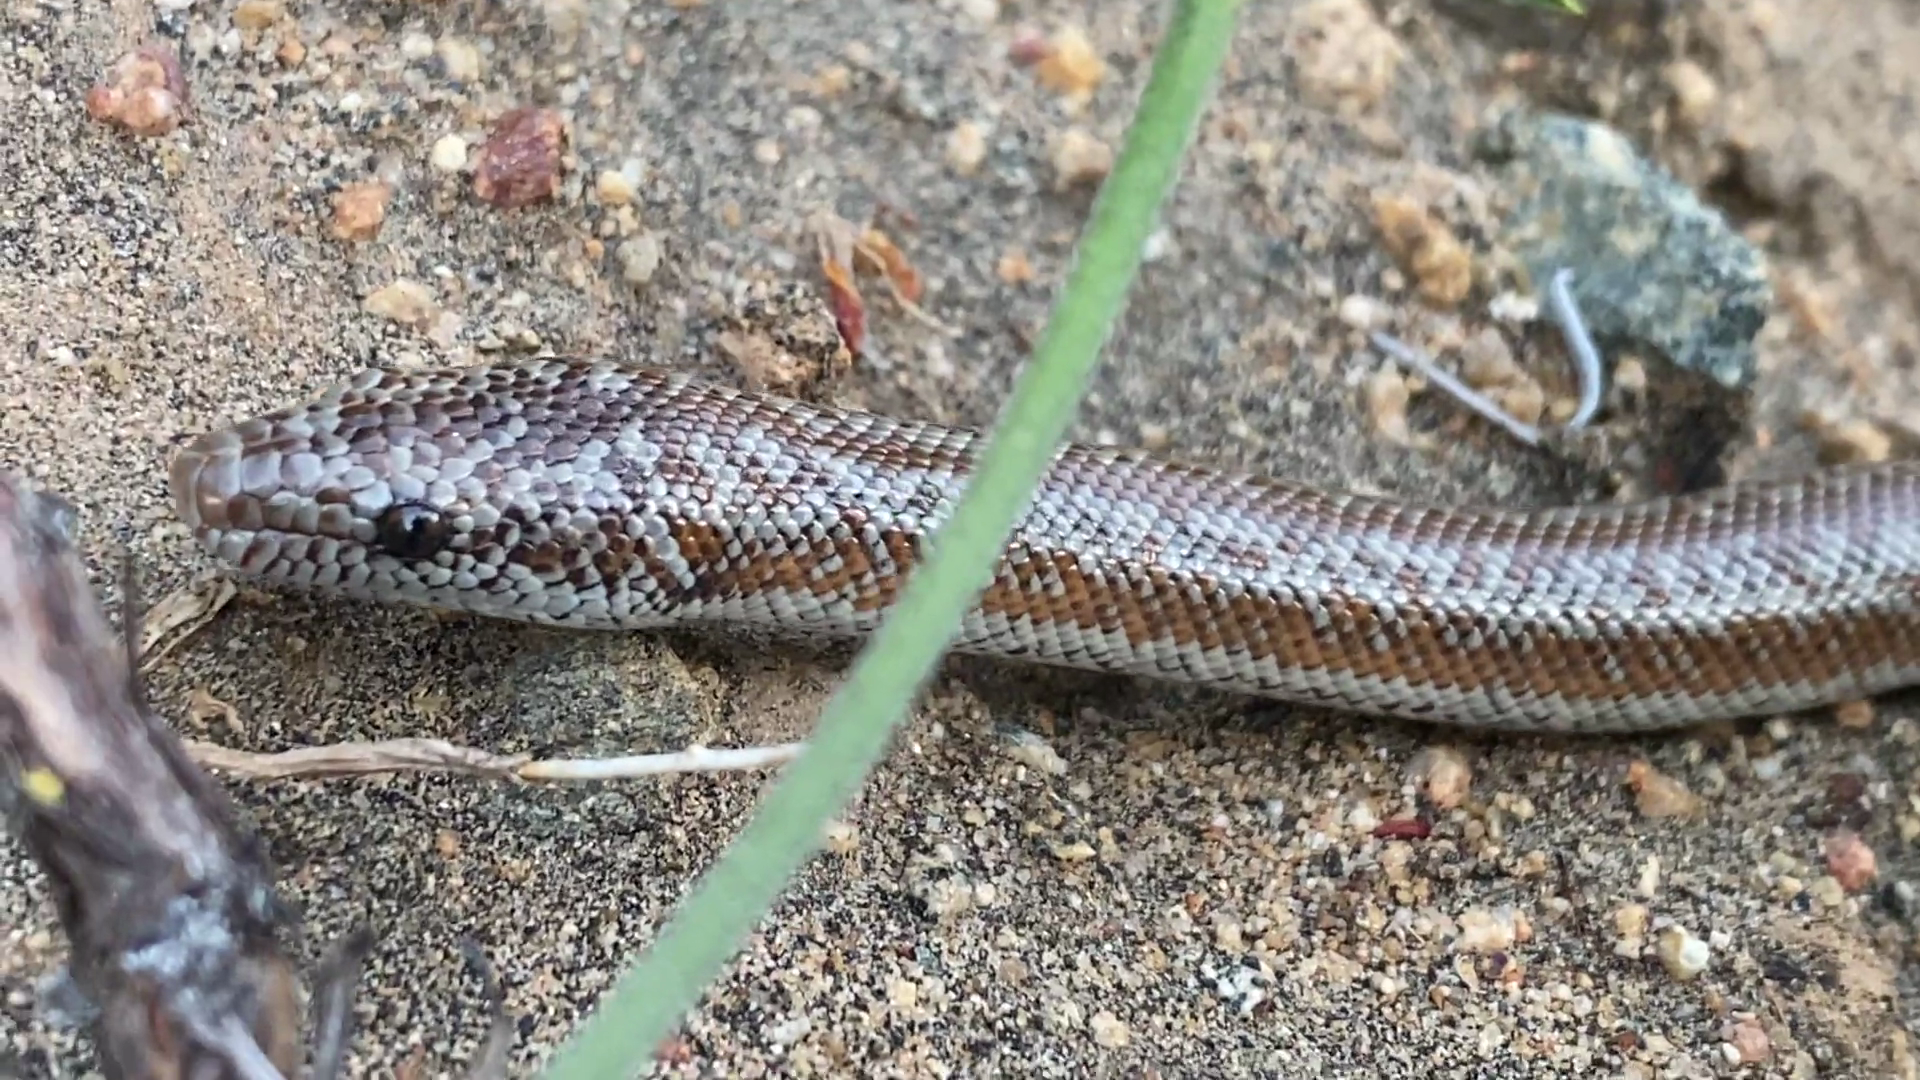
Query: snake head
[[482, 490]]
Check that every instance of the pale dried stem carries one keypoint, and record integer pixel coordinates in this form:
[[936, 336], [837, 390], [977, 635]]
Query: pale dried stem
[[436, 755]]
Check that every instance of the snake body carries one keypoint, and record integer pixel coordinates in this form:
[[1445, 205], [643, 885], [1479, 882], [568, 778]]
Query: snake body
[[593, 494]]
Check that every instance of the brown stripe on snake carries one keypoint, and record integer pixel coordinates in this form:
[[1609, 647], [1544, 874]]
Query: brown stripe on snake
[[601, 496]]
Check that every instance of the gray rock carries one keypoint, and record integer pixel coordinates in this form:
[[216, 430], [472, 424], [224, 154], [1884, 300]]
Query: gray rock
[[1656, 271]]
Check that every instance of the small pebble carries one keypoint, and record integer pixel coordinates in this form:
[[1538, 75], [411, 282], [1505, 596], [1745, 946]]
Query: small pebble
[[1077, 851], [144, 92], [1694, 92], [1443, 774], [903, 993], [1362, 818], [1109, 1030], [1345, 55], [404, 301], [449, 154], [1071, 67], [1854, 715], [1905, 898], [832, 81], [639, 258], [1630, 921], [613, 187], [842, 837], [1363, 312], [1037, 754], [1749, 1042], [460, 59], [416, 46], [1630, 376], [1827, 891], [521, 162], [1850, 861], [257, 14], [1648, 886], [1388, 395], [358, 210], [1486, 361], [1854, 441], [1515, 308], [1525, 402], [1014, 268], [1079, 158], [1426, 248], [1683, 955], [966, 147], [1658, 795], [1483, 931]]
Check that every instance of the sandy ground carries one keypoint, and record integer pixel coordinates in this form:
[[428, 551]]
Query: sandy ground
[[1178, 884]]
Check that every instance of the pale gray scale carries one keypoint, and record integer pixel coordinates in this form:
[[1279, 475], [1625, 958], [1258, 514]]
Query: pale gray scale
[[302, 470], [260, 473], [425, 456]]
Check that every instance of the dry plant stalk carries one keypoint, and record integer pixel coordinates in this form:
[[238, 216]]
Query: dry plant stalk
[[438, 755], [167, 902]]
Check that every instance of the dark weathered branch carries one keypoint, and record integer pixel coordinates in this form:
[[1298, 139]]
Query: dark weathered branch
[[168, 903]]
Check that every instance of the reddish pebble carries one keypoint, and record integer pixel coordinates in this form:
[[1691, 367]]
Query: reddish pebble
[[144, 92], [1850, 860], [1749, 1041], [1403, 829], [520, 163], [1029, 47]]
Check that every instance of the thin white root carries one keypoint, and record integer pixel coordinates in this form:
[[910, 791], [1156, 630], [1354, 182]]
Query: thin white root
[[1588, 368], [436, 755], [1485, 406], [693, 759]]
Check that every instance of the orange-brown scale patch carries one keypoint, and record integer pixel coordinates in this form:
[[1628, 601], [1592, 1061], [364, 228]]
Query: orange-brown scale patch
[[1549, 663]]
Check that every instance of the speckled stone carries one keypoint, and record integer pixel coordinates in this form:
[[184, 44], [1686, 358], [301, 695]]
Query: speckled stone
[[1655, 269]]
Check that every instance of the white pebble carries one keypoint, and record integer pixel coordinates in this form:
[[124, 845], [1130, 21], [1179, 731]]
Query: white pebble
[[1362, 312], [450, 154], [1683, 955], [639, 258]]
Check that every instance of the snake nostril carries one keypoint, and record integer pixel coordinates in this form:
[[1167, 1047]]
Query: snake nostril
[[411, 530]]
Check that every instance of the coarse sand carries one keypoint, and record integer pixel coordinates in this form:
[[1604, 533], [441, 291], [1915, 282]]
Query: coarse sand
[[1053, 875]]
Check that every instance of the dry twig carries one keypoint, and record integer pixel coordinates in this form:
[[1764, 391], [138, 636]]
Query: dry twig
[[438, 755], [168, 903]]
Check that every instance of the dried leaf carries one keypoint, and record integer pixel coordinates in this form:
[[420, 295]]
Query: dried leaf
[[190, 608], [203, 707], [837, 240], [887, 258], [849, 309]]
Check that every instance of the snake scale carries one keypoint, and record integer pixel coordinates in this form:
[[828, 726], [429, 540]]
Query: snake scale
[[598, 495]]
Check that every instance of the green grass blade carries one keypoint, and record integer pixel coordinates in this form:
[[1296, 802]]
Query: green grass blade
[[648, 1002]]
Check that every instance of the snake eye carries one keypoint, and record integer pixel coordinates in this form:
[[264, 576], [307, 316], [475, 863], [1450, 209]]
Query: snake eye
[[410, 530]]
